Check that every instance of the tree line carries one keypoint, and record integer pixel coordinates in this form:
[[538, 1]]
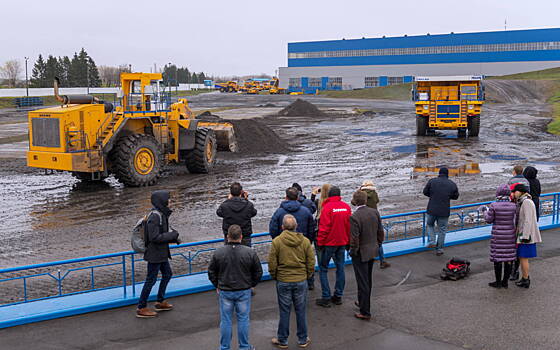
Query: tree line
[[173, 75], [78, 71]]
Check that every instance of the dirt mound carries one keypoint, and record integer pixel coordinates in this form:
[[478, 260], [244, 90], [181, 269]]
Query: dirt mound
[[207, 115], [518, 91], [253, 137], [301, 108]]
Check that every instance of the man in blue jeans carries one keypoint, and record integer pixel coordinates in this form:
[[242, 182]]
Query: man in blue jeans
[[234, 270], [441, 191], [157, 236], [291, 263], [333, 239]]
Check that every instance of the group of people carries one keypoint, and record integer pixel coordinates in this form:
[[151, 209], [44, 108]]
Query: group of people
[[304, 230], [515, 231], [322, 229]]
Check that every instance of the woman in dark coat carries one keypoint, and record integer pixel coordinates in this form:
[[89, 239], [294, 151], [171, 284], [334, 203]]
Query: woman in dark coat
[[501, 214], [530, 174]]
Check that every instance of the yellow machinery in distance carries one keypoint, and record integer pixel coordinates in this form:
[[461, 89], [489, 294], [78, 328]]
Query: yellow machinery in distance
[[448, 103], [230, 86], [133, 142]]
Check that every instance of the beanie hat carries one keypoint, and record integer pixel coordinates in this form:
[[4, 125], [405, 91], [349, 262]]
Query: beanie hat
[[444, 171]]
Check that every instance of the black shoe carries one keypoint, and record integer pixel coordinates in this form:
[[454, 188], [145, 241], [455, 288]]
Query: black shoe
[[505, 284], [495, 285], [357, 304], [336, 300], [323, 302], [523, 283], [514, 276], [311, 287], [439, 252]]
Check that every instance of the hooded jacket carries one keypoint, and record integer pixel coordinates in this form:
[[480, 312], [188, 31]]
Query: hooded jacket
[[334, 223], [502, 214], [441, 191], [308, 203], [304, 218], [234, 267], [158, 235], [291, 258], [372, 197], [237, 211], [527, 227], [530, 173]]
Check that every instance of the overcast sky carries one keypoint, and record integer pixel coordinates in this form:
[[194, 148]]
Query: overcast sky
[[226, 37]]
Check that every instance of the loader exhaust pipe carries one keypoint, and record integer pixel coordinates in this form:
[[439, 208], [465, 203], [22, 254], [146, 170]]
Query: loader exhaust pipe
[[72, 99]]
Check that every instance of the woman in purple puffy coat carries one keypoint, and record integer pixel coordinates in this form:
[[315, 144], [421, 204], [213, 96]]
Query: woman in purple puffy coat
[[503, 250]]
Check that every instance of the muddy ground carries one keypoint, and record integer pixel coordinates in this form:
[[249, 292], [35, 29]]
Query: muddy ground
[[56, 217]]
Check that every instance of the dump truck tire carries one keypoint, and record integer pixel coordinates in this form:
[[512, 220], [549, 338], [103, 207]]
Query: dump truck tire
[[222, 90], [474, 126], [202, 158], [137, 160], [421, 126]]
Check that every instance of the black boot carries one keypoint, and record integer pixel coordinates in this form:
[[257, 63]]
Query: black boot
[[507, 273], [524, 283], [515, 273], [498, 273]]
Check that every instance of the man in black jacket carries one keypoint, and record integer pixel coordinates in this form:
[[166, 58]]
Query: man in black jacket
[[158, 235], [237, 210], [234, 270], [440, 190], [366, 235]]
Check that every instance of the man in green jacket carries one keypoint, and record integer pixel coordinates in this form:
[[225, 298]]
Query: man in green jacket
[[291, 263]]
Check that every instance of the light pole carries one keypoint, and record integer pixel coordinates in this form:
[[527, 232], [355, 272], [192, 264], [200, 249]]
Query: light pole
[[87, 78], [26, 81]]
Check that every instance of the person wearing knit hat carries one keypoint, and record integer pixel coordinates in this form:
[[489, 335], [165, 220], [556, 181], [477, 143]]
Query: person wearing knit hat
[[372, 200], [441, 191]]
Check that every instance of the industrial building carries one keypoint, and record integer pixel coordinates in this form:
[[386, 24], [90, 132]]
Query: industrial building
[[370, 62]]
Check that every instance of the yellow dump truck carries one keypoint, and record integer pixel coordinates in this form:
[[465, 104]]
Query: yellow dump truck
[[133, 141], [448, 103]]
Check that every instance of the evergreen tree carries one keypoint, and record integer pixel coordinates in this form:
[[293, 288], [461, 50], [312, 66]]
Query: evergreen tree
[[52, 70], [194, 78], [201, 78], [94, 80], [64, 63], [38, 73]]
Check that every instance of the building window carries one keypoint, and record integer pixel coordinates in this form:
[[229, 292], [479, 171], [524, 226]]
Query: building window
[[314, 82], [294, 83], [371, 82], [394, 80], [335, 82], [430, 50]]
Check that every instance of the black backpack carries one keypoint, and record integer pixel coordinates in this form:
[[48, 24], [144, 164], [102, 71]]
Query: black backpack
[[455, 269]]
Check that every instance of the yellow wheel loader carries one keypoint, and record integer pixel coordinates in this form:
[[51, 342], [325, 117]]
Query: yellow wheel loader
[[134, 141]]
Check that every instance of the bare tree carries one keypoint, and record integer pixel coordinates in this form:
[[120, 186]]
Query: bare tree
[[11, 71]]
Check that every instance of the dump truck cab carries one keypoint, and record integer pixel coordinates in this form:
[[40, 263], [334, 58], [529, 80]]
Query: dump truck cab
[[448, 103]]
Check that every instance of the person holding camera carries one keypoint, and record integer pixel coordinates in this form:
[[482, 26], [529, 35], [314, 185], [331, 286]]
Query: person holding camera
[[237, 210]]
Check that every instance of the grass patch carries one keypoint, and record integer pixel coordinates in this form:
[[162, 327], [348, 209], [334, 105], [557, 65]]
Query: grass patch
[[392, 92], [554, 100], [545, 74]]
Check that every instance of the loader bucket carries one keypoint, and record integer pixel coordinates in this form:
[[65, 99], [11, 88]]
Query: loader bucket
[[225, 135]]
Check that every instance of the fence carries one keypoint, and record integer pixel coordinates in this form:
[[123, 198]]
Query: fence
[[125, 270]]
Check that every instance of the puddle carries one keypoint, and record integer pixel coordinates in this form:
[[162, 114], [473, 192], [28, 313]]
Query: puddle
[[405, 149], [362, 132], [505, 157]]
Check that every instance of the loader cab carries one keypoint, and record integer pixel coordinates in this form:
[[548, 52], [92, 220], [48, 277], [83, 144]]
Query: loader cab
[[144, 92]]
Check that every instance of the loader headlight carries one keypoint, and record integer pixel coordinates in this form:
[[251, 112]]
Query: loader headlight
[[425, 107]]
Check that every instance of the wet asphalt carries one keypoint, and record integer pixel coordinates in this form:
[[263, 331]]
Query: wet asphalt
[[55, 217]]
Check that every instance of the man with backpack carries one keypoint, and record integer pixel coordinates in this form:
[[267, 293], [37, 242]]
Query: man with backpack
[[157, 236]]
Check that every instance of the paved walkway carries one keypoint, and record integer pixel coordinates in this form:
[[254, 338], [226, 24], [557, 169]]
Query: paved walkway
[[421, 313]]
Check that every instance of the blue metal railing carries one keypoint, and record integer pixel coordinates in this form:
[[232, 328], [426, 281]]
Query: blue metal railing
[[47, 280]]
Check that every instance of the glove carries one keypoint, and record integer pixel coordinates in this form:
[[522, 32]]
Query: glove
[[179, 241]]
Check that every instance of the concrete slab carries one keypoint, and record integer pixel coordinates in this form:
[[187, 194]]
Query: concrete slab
[[422, 313]]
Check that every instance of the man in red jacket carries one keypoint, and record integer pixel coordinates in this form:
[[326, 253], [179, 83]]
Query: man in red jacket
[[332, 240]]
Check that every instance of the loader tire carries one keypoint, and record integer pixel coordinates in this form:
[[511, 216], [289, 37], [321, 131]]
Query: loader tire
[[137, 160], [202, 158], [421, 126], [222, 90], [474, 126]]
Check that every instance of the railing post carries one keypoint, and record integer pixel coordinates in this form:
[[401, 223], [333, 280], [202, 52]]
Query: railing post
[[424, 228], [59, 280], [133, 276], [124, 274]]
